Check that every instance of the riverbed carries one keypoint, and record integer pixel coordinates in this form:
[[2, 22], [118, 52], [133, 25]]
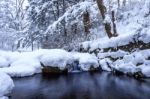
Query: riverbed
[[100, 85]]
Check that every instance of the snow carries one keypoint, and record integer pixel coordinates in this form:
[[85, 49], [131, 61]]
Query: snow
[[117, 54], [57, 58], [145, 70], [4, 97], [6, 85], [29, 63], [3, 62], [116, 41], [126, 62], [104, 63], [21, 64], [127, 68], [86, 61], [72, 15], [132, 22]]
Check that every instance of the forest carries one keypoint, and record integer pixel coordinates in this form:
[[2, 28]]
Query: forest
[[100, 46]]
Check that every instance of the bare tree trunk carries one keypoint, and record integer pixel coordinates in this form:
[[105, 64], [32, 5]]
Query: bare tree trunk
[[2, 44], [114, 24], [86, 21], [118, 3], [101, 7], [12, 48], [57, 6], [124, 2], [107, 25], [32, 43]]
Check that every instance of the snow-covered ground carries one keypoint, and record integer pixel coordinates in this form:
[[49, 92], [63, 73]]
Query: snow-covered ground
[[132, 24], [125, 62], [29, 63], [86, 61], [121, 40], [6, 85], [133, 27]]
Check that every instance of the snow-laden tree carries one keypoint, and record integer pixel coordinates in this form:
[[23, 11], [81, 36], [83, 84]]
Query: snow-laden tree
[[59, 23], [12, 22], [7, 24]]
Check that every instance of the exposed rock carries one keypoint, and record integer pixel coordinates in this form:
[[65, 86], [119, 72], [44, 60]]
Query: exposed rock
[[117, 72], [53, 70]]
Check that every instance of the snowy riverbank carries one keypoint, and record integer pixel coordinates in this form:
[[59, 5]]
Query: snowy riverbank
[[29, 63], [128, 54], [6, 85], [17, 64]]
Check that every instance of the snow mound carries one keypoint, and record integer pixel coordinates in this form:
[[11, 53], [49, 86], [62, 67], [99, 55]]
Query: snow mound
[[86, 61], [6, 85], [105, 64], [56, 58], [114, 42], [138, 61], [4, 97], [145, 70], [29, 63], [23, 64], [3, 62]]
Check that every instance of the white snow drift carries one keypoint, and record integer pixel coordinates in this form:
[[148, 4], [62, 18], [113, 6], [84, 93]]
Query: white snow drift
[[29, 63], [6, 85], [126, 63]]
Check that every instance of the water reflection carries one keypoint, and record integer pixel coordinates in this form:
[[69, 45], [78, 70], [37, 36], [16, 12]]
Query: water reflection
[[80, 86]]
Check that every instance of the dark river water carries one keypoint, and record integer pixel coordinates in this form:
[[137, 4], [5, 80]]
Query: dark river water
[[80, 86]]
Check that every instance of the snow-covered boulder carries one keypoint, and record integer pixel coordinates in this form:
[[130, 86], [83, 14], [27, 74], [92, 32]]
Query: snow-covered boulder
[[56, 61], [48, 60], [87, 62], [127, 42], [6, 85], [3, 62], [127, 68], [145, 70], [4, 97], [24, 64], [60, 60], [105, 64]]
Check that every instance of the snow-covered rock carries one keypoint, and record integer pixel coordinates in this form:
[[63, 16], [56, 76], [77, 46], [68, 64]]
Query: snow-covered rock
[[135, 63], [29, 63], [57, 58], [4, 97], [105, 64], [127, 68], [3, 62], [6, 85], [114, 42], [145, 70], [86, 61], [22, 64]]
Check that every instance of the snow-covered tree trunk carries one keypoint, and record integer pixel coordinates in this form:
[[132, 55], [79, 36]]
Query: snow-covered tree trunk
[[103, 11], [118, 3], [114, 24], [86, 21], [124, 2]]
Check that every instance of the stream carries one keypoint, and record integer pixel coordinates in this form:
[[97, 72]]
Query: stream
[[101, 85]]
